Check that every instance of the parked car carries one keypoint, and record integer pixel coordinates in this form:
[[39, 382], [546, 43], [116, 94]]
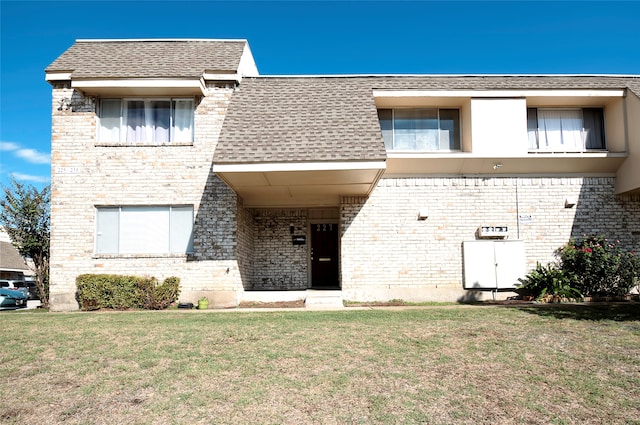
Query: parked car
[[31, 288], [12, 284], [11, 300]]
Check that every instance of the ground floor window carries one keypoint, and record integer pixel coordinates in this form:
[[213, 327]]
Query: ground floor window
[[144, 230]]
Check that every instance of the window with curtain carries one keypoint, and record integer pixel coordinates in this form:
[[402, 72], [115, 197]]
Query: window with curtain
[[570, 130], [144, 230], [146, 120], [421, 130]]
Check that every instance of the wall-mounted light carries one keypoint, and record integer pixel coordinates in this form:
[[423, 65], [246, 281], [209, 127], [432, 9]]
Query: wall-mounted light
[[570, 202], [497, 165], [291, 228], [423, 213]]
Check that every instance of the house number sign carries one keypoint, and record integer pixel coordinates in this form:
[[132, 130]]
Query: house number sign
[[324, 227], [67, 170]]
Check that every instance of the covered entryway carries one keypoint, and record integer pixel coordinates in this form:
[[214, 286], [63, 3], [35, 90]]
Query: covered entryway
[[287, 159], [325, 264]]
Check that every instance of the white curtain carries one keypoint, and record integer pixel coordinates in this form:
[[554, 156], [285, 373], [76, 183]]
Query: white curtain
[[159, 122], [560, 130], [154, 120], [134, 114], [182, 121]]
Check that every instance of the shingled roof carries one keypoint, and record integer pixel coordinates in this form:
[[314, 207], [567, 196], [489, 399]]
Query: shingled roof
[[10, 258], [300, 119], [149, 58], [501, 82], [334, 118]]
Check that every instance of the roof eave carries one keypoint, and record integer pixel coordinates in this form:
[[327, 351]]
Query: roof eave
[[137, 86]]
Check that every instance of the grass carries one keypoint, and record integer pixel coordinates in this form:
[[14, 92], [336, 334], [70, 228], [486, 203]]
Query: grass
[[565, 364]]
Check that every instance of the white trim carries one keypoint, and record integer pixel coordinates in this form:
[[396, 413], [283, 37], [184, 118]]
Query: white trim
[[140, 83], [221, 77], [298, 166], [111, 40], [247, 66], [497, 93], [529, 155], [451, 75], [494, 175], [57, 76]]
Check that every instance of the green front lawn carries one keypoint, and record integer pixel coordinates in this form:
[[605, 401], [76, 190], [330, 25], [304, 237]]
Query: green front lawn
[[566, 364]]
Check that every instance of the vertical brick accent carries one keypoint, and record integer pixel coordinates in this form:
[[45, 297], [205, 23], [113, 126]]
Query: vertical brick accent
[[277, 263], [246, 240]]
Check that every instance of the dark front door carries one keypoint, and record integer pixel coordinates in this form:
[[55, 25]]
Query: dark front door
[[324, 256]]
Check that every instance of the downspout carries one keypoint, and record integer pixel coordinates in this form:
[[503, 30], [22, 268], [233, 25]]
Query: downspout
[[517, 210]]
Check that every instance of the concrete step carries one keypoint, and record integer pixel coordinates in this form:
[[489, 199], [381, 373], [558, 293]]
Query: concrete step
[[316, 299]]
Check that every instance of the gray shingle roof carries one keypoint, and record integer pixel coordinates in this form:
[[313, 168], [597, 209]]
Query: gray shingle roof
[[501, 82], [10, 258], [277, 119], [149, 58], [634, 86], [300, 119]]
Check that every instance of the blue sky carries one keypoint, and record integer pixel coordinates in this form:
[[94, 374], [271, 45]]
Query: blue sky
[[291, 37]]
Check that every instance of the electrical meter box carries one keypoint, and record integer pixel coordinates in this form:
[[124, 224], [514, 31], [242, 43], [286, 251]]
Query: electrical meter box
[[498, 232], [493, 264]]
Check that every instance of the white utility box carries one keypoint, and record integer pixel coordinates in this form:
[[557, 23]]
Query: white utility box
[[493, 264]]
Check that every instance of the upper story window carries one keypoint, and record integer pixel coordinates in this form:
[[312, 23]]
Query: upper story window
[[157, 120], [421, 130], [565, 130]]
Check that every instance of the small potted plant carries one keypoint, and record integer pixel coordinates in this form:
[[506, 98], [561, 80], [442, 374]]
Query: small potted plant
[[203, 303]]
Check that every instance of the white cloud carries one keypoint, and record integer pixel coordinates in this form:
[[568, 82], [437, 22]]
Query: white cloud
[[8, 146], [30, 178], [33, 156], [30, 155]]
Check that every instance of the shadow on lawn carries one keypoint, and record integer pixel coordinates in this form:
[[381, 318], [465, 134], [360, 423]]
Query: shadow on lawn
[[618, 312]]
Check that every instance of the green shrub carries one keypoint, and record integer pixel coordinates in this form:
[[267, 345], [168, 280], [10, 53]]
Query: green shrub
[[118, 292], [106, 291], [547, 280], [158, 297], [599, 267]]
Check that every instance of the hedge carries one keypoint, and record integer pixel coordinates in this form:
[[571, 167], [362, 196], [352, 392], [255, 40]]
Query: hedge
[[96, 291]]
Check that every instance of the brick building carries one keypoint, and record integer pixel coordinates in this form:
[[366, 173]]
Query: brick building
[[176, 158]]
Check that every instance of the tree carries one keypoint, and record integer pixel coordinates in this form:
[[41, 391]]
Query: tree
[[25, 216]]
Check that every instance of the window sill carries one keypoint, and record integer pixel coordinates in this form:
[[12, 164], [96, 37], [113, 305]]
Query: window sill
[[417, 152], [136, 256], [561, 152], [140, 144]]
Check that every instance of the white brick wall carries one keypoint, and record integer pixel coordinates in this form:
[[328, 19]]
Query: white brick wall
[[126, 175], [385, 246], [386, 252]]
